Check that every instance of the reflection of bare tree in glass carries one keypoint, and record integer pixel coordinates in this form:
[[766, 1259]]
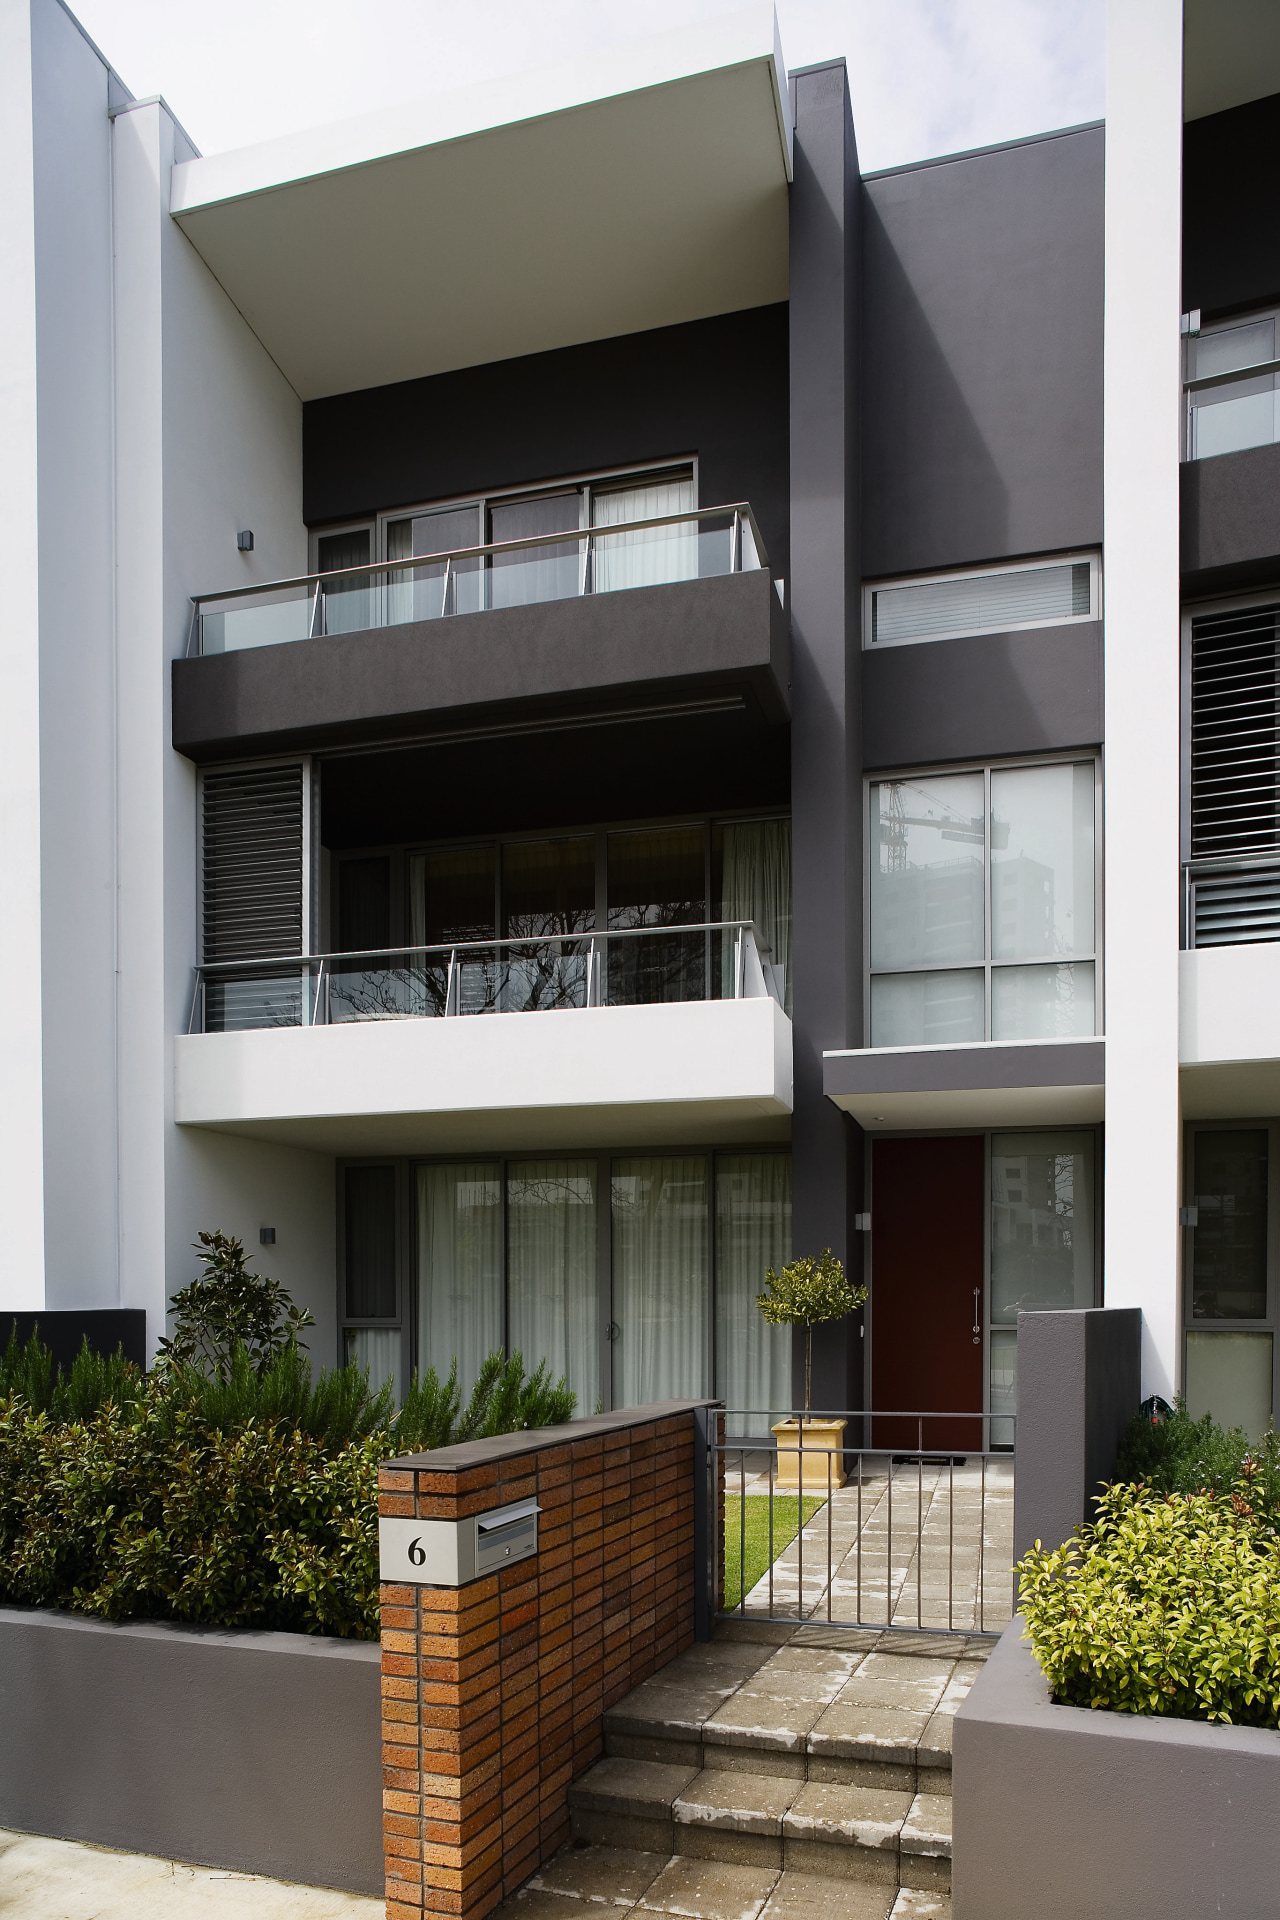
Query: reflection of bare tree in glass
[[551, 971]]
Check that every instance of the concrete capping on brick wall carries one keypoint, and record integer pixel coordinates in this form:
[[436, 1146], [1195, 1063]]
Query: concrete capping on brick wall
[[1072, 1815], [253, 1751], [494, 1693], [1079, 1384]]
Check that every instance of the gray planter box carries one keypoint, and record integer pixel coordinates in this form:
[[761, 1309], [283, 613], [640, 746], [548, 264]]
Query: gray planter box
[[1067, 1814], [255, 1751]]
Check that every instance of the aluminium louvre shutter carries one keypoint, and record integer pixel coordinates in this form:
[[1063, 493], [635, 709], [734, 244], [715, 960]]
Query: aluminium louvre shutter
[[1235, 773], [252, 893]]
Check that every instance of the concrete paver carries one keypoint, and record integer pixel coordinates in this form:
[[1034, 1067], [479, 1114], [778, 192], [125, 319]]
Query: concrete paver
[[43, 1879]]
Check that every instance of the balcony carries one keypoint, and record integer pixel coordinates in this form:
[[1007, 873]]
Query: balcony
[[676, 612], [668, 1035]]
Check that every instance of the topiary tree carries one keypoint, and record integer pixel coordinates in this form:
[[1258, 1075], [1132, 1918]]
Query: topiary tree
[[227, 1307], [807, 1292]]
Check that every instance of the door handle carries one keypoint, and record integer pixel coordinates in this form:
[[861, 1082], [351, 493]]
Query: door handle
[[977, 1316]]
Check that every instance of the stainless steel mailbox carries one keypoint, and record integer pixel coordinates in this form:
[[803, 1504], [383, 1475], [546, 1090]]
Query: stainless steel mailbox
[[449, 1553]]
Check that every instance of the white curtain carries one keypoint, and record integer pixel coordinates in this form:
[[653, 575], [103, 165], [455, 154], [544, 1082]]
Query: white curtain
[[551, 1271], [651, 558], [757, 886], [378, 1349], [660, 1279], [753, 1233], [459, 1268]]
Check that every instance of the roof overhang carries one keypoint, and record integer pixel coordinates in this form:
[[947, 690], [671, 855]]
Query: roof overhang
[[999, 1084], [636, 187], [1231, 54]]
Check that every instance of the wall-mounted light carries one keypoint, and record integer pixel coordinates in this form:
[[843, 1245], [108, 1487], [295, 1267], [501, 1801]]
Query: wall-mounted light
[[266, 1236], [244, 540]]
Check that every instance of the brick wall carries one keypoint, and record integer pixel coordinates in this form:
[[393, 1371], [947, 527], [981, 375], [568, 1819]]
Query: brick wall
[[493, 1693]]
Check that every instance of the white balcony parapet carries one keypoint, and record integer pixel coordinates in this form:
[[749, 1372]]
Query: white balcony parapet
[[1229, 1031], [681, 1073]]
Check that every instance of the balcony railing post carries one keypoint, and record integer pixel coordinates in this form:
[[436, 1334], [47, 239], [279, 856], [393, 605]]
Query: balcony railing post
[[444, 593], [451, 985], [735, 545], [317, 612]]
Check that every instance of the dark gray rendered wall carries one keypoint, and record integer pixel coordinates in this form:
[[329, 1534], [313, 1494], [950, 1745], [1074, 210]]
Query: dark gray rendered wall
[[255, 1751], [994, 694], [716, 388], [1064, 1814], [825, 692], [982, 356], [1230, 521], [709, 638], [1230, 235], [1079, 1386]]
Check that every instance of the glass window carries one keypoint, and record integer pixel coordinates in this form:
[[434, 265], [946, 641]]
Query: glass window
[[427, 592], [953, 852], [657, 878], [1230, 1240], [548, 888], [369, 1221], [657, 554], [661, 1236], [1229, 1376], [528, 575], [753, 1233], [1240, 413], [347, 603], [459, 1268], [1002, 602], [453, 896], [552, 1262], [1042, 1213]]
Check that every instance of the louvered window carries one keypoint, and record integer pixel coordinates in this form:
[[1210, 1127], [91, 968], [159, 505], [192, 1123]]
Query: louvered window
[[253, 896], [1234, 893]]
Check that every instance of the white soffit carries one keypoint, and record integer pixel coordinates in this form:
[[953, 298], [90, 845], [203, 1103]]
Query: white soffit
[[1231, 54], [633, 188], [995, 1084]]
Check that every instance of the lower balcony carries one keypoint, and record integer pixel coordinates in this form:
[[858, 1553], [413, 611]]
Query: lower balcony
[[421, 1051]]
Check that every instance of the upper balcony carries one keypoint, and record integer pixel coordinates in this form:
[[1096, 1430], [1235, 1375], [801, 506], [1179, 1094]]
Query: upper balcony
[[673, 610], [669, 1034]]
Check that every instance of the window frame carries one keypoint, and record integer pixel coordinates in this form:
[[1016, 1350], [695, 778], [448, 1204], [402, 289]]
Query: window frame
[[1270, 1323], [1036, 565], [604, 1159], [1251, 316], [1091, 756]]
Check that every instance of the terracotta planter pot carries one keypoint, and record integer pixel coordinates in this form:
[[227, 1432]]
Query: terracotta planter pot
[[826, 1437]]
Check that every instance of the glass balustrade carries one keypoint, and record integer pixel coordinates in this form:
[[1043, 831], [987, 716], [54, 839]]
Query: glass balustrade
[[411, 587], [644, 966]]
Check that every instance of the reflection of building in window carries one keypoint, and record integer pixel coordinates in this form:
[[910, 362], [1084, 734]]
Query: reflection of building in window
[[1033, 1210], [932, 913], [1022, 908]]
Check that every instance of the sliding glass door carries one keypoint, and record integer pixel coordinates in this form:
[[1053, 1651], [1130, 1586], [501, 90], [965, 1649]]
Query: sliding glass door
[[459, 1267], [552, 1266]]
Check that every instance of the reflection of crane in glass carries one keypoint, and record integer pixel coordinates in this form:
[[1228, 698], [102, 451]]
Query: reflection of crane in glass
[[963, 827]]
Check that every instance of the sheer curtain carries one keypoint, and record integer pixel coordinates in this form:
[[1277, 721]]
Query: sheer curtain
[[753, 1233], [655, 556], [377, 1349], [459, 1267], [757, 886], [551, 1271], [660, 1279]]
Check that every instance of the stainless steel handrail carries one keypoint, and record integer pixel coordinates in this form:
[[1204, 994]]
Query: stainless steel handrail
[[1235, 373], [738, 508], [481, 946]]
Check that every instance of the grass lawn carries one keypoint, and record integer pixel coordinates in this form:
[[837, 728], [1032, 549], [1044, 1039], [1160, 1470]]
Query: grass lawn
[[785, 1523]]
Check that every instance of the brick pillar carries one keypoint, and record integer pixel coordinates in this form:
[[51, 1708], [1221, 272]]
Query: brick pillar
[[494, 1693]]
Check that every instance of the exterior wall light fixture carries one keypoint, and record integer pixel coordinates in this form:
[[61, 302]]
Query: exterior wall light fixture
[[244, 540], [266, 1236]]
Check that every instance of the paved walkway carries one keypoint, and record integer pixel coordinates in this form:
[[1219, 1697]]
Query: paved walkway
[[63, 1880], [915, 1545]]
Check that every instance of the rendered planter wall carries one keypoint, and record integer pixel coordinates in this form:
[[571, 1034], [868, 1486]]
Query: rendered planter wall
[[1067, 1814], [255, 1751]]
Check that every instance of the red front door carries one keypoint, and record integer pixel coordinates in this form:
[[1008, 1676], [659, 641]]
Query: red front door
[[927, 1291]]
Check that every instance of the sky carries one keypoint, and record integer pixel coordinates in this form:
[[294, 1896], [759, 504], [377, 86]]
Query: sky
[[926, 76]]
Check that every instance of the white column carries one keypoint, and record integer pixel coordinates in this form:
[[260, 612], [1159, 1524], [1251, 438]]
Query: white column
[[1142, 376], [21, 1024]]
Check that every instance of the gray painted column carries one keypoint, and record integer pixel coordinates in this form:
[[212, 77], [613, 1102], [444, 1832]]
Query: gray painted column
[[1078, 1388], [826, 798]]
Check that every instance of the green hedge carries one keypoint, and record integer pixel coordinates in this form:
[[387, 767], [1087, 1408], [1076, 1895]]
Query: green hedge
[[244, 1501], [1168, 1604]]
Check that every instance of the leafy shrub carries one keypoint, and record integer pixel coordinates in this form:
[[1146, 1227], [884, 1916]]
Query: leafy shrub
[[242, 1496], [1182, 1455], [1168, 1604], [226, 1308]]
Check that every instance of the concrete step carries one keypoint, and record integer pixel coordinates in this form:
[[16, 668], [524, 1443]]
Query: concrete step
[[582, 1878], [842, 1830]]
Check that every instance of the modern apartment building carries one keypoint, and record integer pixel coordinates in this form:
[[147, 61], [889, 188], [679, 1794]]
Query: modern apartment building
[[570, 664]]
